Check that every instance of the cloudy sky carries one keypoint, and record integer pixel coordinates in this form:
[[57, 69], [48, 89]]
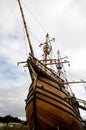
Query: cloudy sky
[[65, 20]]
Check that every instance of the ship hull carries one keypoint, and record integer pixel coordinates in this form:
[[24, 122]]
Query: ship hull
[[47, 105]]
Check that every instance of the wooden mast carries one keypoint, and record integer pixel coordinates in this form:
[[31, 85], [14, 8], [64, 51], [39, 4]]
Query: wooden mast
[[32, 54], [26, 29]]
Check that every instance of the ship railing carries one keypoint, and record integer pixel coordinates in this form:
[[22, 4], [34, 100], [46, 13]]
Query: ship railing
[[82, 102], [44, 68]]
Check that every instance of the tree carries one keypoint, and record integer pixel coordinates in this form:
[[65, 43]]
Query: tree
[[9, 118]]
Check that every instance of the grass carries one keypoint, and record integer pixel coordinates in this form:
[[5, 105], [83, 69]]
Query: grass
[[22, 127]]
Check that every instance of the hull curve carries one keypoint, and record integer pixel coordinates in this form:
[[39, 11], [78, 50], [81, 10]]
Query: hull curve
[[48, 105]]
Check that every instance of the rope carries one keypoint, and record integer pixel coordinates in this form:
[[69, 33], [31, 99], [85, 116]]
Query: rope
[[36, 19], [7, 17], [25, 42]]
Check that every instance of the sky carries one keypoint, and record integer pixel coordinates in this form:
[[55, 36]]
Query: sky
[[65, 20]]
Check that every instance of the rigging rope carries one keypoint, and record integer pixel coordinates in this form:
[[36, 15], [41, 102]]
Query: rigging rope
[[34, 36], [29, 10], [7, 17], [25, 42], [36, 19]]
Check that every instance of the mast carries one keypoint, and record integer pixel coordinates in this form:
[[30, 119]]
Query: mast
[[26, 29], [59, 64], [46, 48]]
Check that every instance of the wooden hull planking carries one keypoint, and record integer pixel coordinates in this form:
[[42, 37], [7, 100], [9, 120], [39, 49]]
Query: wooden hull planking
[[47, 106], [52, 110]]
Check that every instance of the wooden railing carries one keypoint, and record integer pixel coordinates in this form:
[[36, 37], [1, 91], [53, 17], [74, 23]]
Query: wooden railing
[[44, 68], [82, 104]]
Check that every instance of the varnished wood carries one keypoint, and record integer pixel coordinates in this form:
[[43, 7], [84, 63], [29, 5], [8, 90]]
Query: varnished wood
[[53, 109]]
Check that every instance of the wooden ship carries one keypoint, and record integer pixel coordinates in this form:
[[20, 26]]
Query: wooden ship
[[49, 105]]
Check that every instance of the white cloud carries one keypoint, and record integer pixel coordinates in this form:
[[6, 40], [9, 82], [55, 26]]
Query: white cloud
[[63, 19]]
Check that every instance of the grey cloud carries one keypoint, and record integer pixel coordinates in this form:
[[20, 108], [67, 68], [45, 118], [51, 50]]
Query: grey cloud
[[65, 20]]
